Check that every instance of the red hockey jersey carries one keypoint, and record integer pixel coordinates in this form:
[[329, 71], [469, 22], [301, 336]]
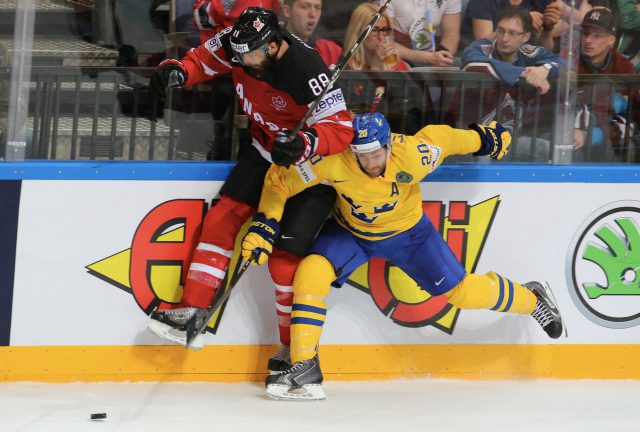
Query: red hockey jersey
[[279, 100]]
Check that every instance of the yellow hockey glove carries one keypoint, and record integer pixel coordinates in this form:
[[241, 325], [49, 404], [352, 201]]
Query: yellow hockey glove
[[495, 140], [259, 240]]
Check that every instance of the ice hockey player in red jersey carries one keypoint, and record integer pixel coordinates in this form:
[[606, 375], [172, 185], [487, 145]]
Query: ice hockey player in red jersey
[[276, 78]]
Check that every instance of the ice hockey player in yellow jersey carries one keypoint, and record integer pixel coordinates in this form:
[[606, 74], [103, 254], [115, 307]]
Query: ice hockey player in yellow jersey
[[378, 213]]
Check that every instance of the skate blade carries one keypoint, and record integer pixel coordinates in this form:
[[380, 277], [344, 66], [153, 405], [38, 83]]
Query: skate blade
[[165, 332], [547, 288], [308, 392], [197, 343]]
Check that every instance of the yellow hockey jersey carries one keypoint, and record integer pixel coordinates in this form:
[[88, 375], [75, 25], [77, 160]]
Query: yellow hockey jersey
[[372, 208]]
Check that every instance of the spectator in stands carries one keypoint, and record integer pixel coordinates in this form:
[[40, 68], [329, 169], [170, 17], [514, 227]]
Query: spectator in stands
[[397, 99], [481, 19], [302, 17], [211, 16], [524, 68], [509, 57], [426, 32], [377, 52], [556, 19], [335, 18], [598, 56]]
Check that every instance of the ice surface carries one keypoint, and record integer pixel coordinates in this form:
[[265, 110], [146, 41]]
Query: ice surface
[[390, 406]]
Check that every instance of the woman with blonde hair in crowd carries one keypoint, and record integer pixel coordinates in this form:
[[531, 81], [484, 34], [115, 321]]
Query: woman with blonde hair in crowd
[[378, 51], [400, 100]]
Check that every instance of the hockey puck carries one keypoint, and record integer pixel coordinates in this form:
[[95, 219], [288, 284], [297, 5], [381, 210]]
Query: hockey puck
[[98, 416]]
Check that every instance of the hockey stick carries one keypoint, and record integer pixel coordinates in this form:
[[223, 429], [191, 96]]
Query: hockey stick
[[338, 70], [192, 330]]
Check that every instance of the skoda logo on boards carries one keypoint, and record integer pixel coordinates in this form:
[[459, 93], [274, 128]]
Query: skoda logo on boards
[[603, 265]]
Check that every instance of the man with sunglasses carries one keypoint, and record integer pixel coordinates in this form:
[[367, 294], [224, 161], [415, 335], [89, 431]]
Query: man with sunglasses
[[276, 77]]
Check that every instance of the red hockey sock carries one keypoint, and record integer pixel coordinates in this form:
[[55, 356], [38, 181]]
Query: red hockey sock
[[212, 255], [206, 273], [282, 266]]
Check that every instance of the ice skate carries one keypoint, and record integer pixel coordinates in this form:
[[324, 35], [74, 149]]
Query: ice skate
[[171, 325], [301, 382], [546, 311], [280, 361], [195, 319]]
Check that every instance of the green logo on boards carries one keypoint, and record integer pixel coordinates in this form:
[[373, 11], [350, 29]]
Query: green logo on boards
[[603, 265], [619, 259]]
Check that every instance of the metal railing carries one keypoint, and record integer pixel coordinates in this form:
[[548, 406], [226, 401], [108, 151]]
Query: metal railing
[[104, 113]]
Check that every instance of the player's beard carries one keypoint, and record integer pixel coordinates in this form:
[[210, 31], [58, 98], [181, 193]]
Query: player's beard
[[378, 172], [264, 70]]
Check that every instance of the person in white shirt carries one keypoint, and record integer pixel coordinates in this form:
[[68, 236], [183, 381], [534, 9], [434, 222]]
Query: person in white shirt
[[427, 32]]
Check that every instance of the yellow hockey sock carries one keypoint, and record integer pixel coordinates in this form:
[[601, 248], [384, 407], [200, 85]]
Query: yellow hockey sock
[[310, 286], [492, 291]]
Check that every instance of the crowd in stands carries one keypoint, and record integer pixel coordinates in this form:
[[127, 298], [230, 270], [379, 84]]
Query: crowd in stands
[[516, 41]]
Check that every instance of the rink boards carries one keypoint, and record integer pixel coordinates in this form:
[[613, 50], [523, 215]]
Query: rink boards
[[89, 249]]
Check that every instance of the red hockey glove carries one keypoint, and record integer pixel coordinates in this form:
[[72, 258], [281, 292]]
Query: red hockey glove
[[286, 152], [259, 240], [494, 140], [169, 73]]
